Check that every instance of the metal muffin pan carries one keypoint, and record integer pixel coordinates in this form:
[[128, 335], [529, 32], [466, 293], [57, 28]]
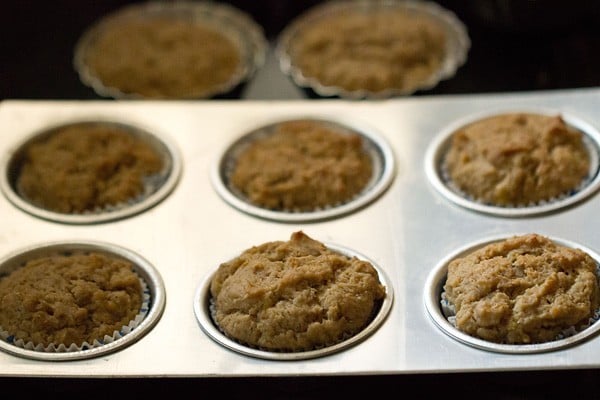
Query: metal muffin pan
[[155, 290], [202, 311], [433, 297], [439, 146], [159, 186], [374, 144], [405, 231]]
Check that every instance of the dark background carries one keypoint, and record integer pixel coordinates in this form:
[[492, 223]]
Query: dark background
[[517, 45]]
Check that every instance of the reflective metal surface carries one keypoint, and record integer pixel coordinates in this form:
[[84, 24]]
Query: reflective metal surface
[[407, 232]]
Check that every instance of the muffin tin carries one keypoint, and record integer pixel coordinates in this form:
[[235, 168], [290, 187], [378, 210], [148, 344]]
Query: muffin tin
[[408, 231]]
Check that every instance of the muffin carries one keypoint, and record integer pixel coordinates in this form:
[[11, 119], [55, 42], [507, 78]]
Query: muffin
[[87, 167], [170, 50], [371, 49], [293, 296], [69, 298], [302, 166], [522, 290], [517, 159]]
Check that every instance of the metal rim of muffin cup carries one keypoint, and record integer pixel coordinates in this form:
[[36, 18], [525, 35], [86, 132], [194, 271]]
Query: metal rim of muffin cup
[[375, 144], [142, 267], [433, 297], [164, 185], [202, 300], [458, 45], [438, 147], [229, 20]]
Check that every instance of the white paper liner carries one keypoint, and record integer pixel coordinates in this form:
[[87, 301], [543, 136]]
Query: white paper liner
[[449, 311], [585, 182], [62, 348], [454, 188], [239, 147], [150, 183], [212, 312]]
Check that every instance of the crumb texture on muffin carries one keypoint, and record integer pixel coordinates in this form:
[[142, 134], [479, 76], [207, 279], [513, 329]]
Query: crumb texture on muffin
[[303, 166], [522, 290], [163, 57], [371, 49], [517, 159], [86, 167], [66, 299], [294, 295]]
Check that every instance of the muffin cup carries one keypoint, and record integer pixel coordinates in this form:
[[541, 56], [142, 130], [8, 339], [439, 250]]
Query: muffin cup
[[374, 144], [456, 46], [247, 36], [153, 302], [156, 187], [438, 177], [441, 312], [203, 310]]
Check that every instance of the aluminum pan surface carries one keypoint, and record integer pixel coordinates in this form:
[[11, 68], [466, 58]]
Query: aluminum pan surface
[[407, 231]]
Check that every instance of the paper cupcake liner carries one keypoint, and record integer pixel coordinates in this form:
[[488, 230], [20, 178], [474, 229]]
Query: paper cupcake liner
[[73, 347], [382, 164], [541, 203], [442, 312], [212, 311], [450, 313], [440, 178], [204, 309], [154, 187]]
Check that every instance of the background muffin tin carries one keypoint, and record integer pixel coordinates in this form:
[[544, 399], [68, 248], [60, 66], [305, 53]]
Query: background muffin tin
[[407, 231]]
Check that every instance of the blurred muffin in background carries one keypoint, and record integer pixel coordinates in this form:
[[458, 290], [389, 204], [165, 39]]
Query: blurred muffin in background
[[372, 49], [171, 50]]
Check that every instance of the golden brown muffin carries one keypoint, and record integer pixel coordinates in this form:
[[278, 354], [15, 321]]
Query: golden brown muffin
[[163, 58], [525, 289], [69, 299], [303, 166], [86, 167], [517, 159], [371, 49], [294, 296]]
